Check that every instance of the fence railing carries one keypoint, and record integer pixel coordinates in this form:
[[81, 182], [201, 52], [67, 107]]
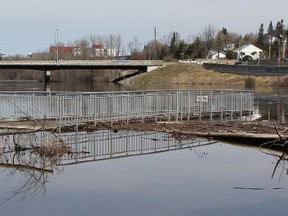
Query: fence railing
[[34, 105], [75, 108]]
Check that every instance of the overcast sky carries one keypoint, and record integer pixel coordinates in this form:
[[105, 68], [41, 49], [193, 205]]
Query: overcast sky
[[29, 25]]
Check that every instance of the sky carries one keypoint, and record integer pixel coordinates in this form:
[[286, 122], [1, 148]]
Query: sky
[[30, 25]]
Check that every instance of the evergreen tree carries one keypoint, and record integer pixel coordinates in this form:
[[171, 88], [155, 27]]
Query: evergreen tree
[[180, 52], [260, 38], [271, 34], [270, 29], [197, 48], [174, 45], [224, 31], [280, 38]]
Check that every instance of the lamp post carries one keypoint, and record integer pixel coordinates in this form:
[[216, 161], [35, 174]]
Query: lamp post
[[56, 45]]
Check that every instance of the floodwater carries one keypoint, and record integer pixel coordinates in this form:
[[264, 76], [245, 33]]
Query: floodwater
[[146, 177], [188, 178]]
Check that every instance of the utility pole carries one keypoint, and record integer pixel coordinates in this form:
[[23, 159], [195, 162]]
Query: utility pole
[[155, 42], [56, 44], [284, 40], [270, 44]]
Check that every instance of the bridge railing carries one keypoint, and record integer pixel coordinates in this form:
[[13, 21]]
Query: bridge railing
[[81, 62], [76, 108]]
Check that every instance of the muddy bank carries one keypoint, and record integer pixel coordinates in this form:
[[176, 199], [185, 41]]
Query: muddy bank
[[255, 133]]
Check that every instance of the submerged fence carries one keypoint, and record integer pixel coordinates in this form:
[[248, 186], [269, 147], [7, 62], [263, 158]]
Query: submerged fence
[[76, 108]]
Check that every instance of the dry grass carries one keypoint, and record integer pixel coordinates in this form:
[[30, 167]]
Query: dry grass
[[195, 74], [53, 150]]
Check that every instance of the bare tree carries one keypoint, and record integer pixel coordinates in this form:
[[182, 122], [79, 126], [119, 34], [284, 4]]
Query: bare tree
[[118, 45], [221, 40], [97, 40], [134, 45], [30, 157], [113, 44], [250, 38], [208, 35], [82, 49]]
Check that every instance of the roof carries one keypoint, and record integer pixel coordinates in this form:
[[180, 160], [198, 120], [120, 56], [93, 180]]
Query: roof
[[63, 49], [248, 48], [97, 46], [212, 52]]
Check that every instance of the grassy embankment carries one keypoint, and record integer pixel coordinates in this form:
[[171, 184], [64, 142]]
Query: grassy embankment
[[176, 73]]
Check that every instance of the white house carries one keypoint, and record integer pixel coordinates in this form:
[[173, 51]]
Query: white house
[[212, 54], [99, 51], [249, 50]]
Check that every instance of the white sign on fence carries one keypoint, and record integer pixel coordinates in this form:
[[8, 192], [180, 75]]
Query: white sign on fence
[[202, 98]]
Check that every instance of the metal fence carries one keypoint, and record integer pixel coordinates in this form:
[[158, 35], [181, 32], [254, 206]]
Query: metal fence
[[168, 104], [32, 105], [76, 108]]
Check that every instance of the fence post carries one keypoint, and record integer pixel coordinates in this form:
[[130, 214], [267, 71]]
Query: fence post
[[211, 112], [241, 105], [221, 106]]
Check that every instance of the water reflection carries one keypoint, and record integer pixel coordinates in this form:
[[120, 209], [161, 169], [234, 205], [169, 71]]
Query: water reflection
[[63, 86], [29, 158], [33, 157], [277, 148], [36, 156], [31, 161]]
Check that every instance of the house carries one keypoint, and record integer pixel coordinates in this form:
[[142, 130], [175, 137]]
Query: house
[[213, 54], [66, 50], [229, 46], [249, 50], [99, 51]]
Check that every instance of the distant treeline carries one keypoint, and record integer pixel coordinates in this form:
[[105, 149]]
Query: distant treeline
[[60, 76]]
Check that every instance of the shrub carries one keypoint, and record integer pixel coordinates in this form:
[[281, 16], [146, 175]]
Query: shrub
[[250, 82]]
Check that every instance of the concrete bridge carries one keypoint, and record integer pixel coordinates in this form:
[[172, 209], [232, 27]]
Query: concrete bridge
[[47, 66]]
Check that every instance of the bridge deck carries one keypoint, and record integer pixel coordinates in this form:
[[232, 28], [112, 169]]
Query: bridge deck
[[79, 64]]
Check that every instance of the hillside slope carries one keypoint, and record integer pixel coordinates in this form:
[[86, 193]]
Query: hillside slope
[[195, 74]]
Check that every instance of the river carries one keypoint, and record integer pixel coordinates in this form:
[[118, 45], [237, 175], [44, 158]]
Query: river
[[215, 179]]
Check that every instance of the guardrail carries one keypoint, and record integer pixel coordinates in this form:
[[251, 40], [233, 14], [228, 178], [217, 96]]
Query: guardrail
[[248, 70], [75, 108]]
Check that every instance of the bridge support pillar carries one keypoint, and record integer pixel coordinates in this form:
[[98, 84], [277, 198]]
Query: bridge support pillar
[[47, 75]]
